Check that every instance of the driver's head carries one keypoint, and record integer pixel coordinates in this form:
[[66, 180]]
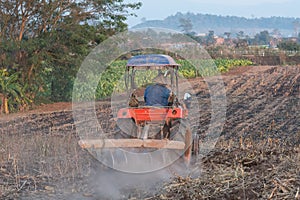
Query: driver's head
[[160, 79]]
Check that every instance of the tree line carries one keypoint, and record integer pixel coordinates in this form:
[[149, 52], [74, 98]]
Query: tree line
[[202, 23]]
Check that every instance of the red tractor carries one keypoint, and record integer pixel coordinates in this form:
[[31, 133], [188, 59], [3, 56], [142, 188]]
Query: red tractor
[[146, 127]]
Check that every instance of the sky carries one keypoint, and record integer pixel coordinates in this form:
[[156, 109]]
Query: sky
[[160, 9]]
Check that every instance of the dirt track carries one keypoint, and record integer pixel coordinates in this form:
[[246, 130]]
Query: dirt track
[[257, 155]]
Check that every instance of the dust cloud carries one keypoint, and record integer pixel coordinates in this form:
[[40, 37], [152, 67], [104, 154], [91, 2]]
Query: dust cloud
[[113, 184]]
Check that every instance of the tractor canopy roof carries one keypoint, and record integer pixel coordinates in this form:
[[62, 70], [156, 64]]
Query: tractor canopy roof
[[152, 60]]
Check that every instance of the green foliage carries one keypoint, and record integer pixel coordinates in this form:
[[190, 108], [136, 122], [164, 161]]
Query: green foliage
[[225, 65], [47, 42], [262, 38], [13, 96], [209, 67], [32, 18], [112, 79], [204, 67], [289, 46], [64, 59]]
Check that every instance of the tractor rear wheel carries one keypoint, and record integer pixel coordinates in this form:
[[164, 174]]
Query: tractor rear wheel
[[196, 144], [180, 131], [128, 128], [188, 145]]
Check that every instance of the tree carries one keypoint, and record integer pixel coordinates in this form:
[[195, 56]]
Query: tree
[[186, 25], [227, 34], [210, 38], [45, 40], [289, 46], [30, 18], [262, 38], [242, 40], [240, 35]]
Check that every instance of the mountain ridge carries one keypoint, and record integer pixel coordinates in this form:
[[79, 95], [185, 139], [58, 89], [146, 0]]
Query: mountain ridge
[[203, 23]]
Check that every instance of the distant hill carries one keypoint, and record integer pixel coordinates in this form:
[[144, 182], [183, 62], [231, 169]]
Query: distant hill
[[202, 23]]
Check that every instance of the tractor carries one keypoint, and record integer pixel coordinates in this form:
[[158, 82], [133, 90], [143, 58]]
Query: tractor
[[144, 128]]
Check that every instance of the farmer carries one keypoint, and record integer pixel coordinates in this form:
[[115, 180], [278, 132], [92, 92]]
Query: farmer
[[157, 94]]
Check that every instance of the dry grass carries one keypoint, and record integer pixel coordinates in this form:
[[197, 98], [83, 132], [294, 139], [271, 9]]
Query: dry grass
[[30, 162], [242, 168], [248, 169]]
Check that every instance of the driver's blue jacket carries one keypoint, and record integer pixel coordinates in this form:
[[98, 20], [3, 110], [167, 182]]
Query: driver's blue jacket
[[156, 95]]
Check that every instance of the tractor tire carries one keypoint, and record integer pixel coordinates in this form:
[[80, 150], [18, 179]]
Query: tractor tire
[[128, 128], [180, 131], [196, 143], [176, 131], [188, 145]]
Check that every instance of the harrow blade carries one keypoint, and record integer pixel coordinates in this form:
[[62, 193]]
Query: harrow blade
[[133, 162], [131, 143]]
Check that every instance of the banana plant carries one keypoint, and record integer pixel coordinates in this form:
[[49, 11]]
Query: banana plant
[[11, 89]]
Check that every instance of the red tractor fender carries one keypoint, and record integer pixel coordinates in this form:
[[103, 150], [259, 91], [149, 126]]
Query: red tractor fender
[[152, 113]]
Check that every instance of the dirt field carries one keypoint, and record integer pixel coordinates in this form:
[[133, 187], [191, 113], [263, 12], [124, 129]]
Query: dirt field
[[257, 155]]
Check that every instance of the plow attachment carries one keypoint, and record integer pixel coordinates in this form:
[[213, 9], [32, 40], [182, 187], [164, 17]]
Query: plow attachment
[[139, 154], [132, 143], [133, 155]]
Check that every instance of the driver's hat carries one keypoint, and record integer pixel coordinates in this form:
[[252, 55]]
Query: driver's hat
[[160, 79]]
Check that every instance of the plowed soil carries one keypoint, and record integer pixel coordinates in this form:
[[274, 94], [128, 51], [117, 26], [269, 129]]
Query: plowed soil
[[257, 156]]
